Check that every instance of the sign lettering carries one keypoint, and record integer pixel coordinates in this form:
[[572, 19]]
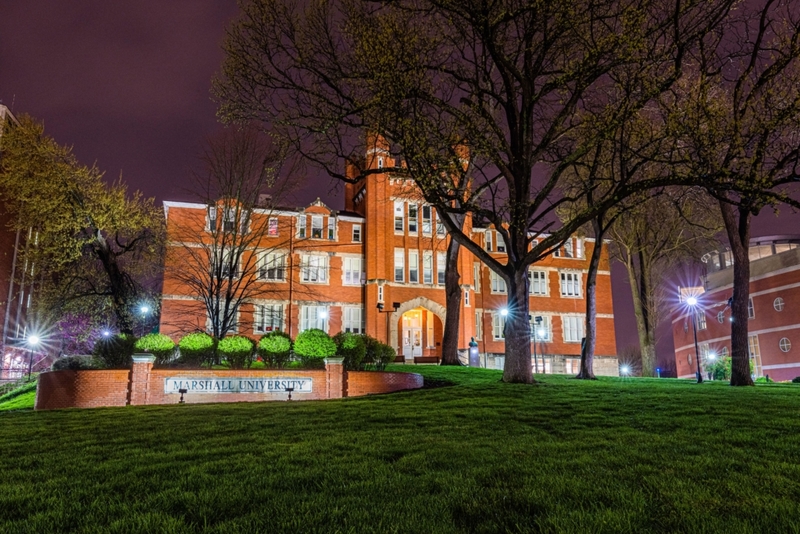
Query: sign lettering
[[276, 384]]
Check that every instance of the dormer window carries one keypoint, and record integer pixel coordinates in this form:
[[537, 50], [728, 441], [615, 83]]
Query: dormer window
[[212, 218], [316, 226]]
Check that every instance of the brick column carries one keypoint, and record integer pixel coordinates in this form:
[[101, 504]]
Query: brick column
[[334, 378], [140, 379]]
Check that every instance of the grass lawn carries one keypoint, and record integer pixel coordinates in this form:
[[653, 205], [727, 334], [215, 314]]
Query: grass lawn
[[615, 455]]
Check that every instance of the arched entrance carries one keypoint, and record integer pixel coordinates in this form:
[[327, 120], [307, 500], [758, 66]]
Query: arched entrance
[[416, 328]]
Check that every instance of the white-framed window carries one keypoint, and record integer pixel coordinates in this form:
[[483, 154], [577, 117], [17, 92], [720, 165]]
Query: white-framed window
[[778, 304], [478, 324], [573, 328], [501, 244], [413, 267], [429, 329], [380, 293], [537, 282], [785, 344], [579, 248], [331, 228], [724, 352], [441, 263], [466, 298], [704, 350], [211, 220], [570, 284], [541, 331], [301, 226], [476, 276], [399, 264], [399, 216], [228, 264], [439, 226], [316, 226], [272, 227], [356, 233], [412, 219], [751, 310], [498, 326], [272, 266], [488, 238], [268, 317], [233, 323], [351, 271], [314, 269], [229, 222], [497, 282], [754, 351], [427, 267], [721, 317], [700, 317], [353, 319], [426, 220], [313, 317], [380, 163], [568, 250]]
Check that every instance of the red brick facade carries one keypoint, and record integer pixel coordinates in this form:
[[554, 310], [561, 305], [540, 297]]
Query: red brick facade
[[387, 249]]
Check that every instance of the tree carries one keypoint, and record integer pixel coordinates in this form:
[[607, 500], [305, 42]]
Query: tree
[[239, 183], [737, 117], [503, 78], [92, 246]]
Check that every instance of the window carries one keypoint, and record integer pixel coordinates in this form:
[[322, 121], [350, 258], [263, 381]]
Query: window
[[489, 245], [570, 284], [724, 352], [228, 264], [353, 320], [537, 282], [429, 330], [704, 350], [212, 218], [439, 226], [721, 317], [476, 276], [785, 344], [540, 330], [380, 163], [466, 298], [398, 217], [331, 228], [478, 324], [233, 318], [427, 267], [498, 326], [380, 293], [272, 228], [501, 244], [498, 283], [268, 317], [413, 267], [754, 351], [229, 224], [573, 328], [314, 269], [351, 271], [426, 220], [316, 226], [356, 233], [751, 310], [412, 219], [313, 317], [301, 226], [441, 263], [579, 248], [271, 266], [399, 264], [778, 304], [568, 252], [700, 317]]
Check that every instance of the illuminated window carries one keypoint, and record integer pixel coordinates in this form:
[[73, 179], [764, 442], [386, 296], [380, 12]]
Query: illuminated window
[[399, 264], [301, 226], [313, 317], [573, 328], [272, 229], [271, 266], [700, 317], [268, 317], [331, 228], [316, 226]]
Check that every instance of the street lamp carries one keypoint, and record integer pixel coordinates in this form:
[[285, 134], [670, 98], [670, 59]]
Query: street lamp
[[625, 370], [32, 342], [692, 302]]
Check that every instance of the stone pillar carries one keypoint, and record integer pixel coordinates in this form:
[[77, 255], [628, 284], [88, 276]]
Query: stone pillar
[[334, 378], [140, 379]]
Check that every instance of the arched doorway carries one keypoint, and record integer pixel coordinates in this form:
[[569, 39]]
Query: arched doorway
[[416, 328]]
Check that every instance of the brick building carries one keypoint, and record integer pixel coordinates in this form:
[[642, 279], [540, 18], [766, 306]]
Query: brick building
[[377, 267], [772, 323]]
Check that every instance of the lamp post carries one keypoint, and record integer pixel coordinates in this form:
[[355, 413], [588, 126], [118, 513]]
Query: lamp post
[[32, 342], [692, 302]]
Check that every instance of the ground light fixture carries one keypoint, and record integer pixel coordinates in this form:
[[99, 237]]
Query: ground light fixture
[[625, 370], [692, 303]]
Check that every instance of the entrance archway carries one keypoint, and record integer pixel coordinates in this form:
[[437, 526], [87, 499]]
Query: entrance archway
[[412, 316]]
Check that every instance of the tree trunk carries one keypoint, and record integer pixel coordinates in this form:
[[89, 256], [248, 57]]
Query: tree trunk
[[588, 346], [452, 291], [737, 226], [121, 291], [640, 289], [517, 331]]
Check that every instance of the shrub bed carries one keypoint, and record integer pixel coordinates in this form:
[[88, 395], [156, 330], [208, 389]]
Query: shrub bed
[[313, 346], [275, 348], [159, 345], [116, 351], [237, 350], [196, 348]]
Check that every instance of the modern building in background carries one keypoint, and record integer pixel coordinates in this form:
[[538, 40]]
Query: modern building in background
[[773, 307], [378, 267]]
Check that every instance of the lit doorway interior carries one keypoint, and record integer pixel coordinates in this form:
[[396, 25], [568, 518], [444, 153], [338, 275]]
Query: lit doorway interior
[[412, 334]]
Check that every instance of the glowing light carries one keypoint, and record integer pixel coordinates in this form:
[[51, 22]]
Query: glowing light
[[541, 333], [691, 301], [145, 309], [712, 356], [33, 340], [323, 314], [504, 312], [625, 370], [106, 333]]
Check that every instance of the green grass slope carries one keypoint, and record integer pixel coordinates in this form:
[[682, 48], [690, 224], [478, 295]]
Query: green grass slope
[[21, 398], [479, 456]]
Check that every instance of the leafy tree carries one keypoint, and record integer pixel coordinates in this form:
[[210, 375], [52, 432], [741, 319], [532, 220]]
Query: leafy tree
[[503, 78], [92, 247]]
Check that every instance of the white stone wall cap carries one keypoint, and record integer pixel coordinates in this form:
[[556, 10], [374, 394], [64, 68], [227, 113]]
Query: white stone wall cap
[[143, 358], [334, 361]]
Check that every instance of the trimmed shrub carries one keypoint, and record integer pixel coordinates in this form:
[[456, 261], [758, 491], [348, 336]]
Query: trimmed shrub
[[796, 380], [116, 351], [196, 348], [313, 346], [78, 363], [352, 348], [159, 345], [275, 348], [238, 351], [386, 355]]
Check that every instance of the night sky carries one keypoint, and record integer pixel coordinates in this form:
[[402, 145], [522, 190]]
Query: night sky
[[127, 84]]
